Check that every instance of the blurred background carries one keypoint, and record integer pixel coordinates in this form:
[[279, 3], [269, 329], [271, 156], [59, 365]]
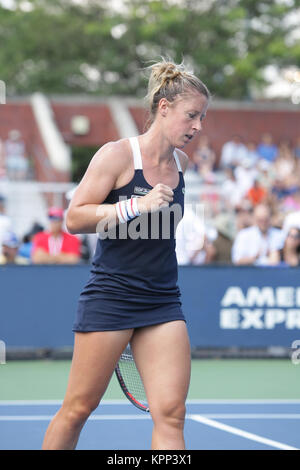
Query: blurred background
[[73, 75], [73, 78]]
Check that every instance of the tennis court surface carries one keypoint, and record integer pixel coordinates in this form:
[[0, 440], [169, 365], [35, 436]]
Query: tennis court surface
[[232, 404]]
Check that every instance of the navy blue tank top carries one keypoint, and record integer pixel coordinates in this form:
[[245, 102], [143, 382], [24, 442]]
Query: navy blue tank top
[[138, 258]]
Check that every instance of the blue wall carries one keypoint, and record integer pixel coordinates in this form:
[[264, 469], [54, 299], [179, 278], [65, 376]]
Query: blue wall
[[224, 306], [241, 306]]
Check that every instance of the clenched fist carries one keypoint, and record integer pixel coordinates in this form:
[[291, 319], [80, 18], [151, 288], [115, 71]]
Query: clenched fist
[[160, 196]]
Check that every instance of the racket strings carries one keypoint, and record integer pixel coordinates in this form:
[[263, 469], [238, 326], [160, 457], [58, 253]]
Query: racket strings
[[131, 377]]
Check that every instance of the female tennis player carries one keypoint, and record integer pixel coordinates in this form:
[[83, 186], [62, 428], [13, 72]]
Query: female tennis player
[[132, 293]]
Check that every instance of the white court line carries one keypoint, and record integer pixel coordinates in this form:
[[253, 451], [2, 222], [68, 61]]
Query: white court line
[[29, 402], [91, 418], [240, 432], [97, 417], [204, 401], [251, 415], [55, 402]]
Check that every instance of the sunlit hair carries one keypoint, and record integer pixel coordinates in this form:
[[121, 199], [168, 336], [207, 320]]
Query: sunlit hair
[[168, 80]]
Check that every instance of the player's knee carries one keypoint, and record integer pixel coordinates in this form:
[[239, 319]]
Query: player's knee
[[78, 411], [170, 412]]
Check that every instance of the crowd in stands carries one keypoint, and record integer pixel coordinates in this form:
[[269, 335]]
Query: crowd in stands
[[256, 221], [41, 245], [49, 245], [14, 161]]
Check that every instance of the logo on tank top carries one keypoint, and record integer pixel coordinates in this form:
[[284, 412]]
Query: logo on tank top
[[141, 191]]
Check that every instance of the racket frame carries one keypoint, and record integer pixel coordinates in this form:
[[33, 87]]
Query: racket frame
[[126, 392]]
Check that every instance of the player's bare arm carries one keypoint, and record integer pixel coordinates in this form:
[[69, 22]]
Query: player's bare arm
[[107, 166]]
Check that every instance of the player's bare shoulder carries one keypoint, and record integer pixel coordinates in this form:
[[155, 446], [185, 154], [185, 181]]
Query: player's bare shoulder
[[108, 165], [183, 158], [113, 156]]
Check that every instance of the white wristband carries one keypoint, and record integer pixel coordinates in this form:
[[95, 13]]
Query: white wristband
[[127, 210]]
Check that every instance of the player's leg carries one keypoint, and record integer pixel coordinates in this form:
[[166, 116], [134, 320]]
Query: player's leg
[[162, 354], [94, 359]]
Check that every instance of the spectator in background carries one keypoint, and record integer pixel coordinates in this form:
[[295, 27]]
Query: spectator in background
[[220, 250], [285, 195], [277, 218], [25, 248], [256, 194], [289, 255], [243, 215], [291, 220], [267, 174], [5, 222], [10, 247], [192, 239], [279, 189], [2, 162], [267, 149], [253, 245], [55, 246], [252, 155], [285, 163], [297, 148], [292, 202], [16, 161], [189, 237], [204, 158], [245, 176], [233, 153], [231, 191]]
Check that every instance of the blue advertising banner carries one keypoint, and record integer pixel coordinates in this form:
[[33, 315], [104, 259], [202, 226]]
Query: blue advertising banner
[[37, 305], [250, 307], [241, 306]]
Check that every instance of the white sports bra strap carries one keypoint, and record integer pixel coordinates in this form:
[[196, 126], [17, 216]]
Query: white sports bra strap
[[177, 161], [137, 157]]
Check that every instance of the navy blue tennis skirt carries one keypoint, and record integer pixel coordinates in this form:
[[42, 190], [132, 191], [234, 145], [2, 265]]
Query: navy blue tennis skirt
[[107, 313]]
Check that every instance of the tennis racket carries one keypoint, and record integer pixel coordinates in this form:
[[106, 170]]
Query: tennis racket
[[130, 380]]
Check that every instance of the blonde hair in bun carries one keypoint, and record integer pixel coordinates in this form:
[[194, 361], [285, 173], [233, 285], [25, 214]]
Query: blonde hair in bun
[[168, 80]]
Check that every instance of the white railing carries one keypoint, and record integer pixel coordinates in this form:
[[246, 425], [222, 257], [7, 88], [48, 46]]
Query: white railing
[[27, 202], [58, 151]]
